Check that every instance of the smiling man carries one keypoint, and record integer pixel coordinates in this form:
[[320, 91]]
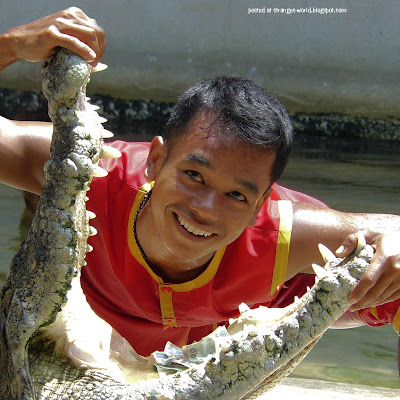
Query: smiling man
[[193, 224]]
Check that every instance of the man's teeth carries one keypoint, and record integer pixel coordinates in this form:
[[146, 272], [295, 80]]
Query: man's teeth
[[192, 229]]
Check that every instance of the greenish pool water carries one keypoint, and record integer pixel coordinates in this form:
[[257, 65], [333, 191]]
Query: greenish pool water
[[361, 356]]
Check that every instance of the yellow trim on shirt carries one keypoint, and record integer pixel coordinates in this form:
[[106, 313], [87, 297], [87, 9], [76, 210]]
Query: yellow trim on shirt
[[167, 307], [282, 247], [131, 238], [396, 321], [374, 312]]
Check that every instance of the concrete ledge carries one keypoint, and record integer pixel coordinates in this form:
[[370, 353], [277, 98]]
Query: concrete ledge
[[310, 389], [142, 120]]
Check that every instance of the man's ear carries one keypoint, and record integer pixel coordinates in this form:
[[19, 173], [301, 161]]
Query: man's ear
[[260, 203], [155, 159]]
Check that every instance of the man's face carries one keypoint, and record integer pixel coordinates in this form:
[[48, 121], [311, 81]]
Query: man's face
[[207, 190]]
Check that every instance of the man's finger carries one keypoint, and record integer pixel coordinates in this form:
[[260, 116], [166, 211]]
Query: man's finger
[[77, 46], [376, 286], [386, 297], [348, 245], [374, 273]]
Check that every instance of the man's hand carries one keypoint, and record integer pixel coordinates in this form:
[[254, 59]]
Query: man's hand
[[381, 282], [70, 28]]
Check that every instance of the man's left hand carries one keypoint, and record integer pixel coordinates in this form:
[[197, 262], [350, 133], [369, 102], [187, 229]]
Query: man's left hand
[[381, 281]]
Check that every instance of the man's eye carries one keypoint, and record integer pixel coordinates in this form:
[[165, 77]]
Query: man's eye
[[194, 175], [237, 196]]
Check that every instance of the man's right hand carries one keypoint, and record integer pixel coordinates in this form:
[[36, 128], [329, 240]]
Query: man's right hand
[[70, 28]]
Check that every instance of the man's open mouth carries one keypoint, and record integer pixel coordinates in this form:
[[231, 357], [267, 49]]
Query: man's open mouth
[[192, 229]]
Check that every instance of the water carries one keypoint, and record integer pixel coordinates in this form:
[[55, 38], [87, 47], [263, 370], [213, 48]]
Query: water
[[349, 182], [354, 183]]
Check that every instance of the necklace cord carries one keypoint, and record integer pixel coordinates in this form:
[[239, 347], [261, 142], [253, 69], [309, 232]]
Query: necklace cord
[[141, 206]]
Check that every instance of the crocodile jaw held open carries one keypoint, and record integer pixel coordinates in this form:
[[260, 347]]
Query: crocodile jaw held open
[[258, 349]]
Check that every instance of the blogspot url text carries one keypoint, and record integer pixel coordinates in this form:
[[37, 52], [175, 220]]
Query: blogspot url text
[[303, 10]]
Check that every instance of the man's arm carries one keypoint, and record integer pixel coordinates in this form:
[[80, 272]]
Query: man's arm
[[313, 225], [25, 146], [70, 28]]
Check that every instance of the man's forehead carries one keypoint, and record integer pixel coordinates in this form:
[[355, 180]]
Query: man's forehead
[[204, 140], [208, 137]]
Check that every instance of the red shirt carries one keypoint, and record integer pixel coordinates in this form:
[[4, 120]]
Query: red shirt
[[124, 291]]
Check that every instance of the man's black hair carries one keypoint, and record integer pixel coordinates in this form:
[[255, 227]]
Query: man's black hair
[[239, 106]]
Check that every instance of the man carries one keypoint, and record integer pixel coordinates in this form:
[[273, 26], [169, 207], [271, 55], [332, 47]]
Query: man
[[193, 224]]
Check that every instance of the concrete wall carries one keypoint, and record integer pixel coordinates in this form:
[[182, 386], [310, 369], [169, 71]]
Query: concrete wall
[[343, 62]]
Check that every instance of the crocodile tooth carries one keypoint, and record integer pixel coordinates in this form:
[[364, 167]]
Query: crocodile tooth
[[296, 300], [361, 242], [102, 120], [99, 67], [90, 215], [252, 329], [326, 254], [110, 152], [93, 107], [79, 234], [225, 347], [86, 198], [106, 134], [243, 307], [98, 172], [92, 231], [89, 248], [320, 271], [308, 288]]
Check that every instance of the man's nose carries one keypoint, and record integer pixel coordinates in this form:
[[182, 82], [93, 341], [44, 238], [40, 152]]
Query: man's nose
[[206, 204]]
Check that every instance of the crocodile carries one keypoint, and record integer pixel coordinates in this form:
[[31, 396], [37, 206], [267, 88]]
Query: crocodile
[[253, 354]]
